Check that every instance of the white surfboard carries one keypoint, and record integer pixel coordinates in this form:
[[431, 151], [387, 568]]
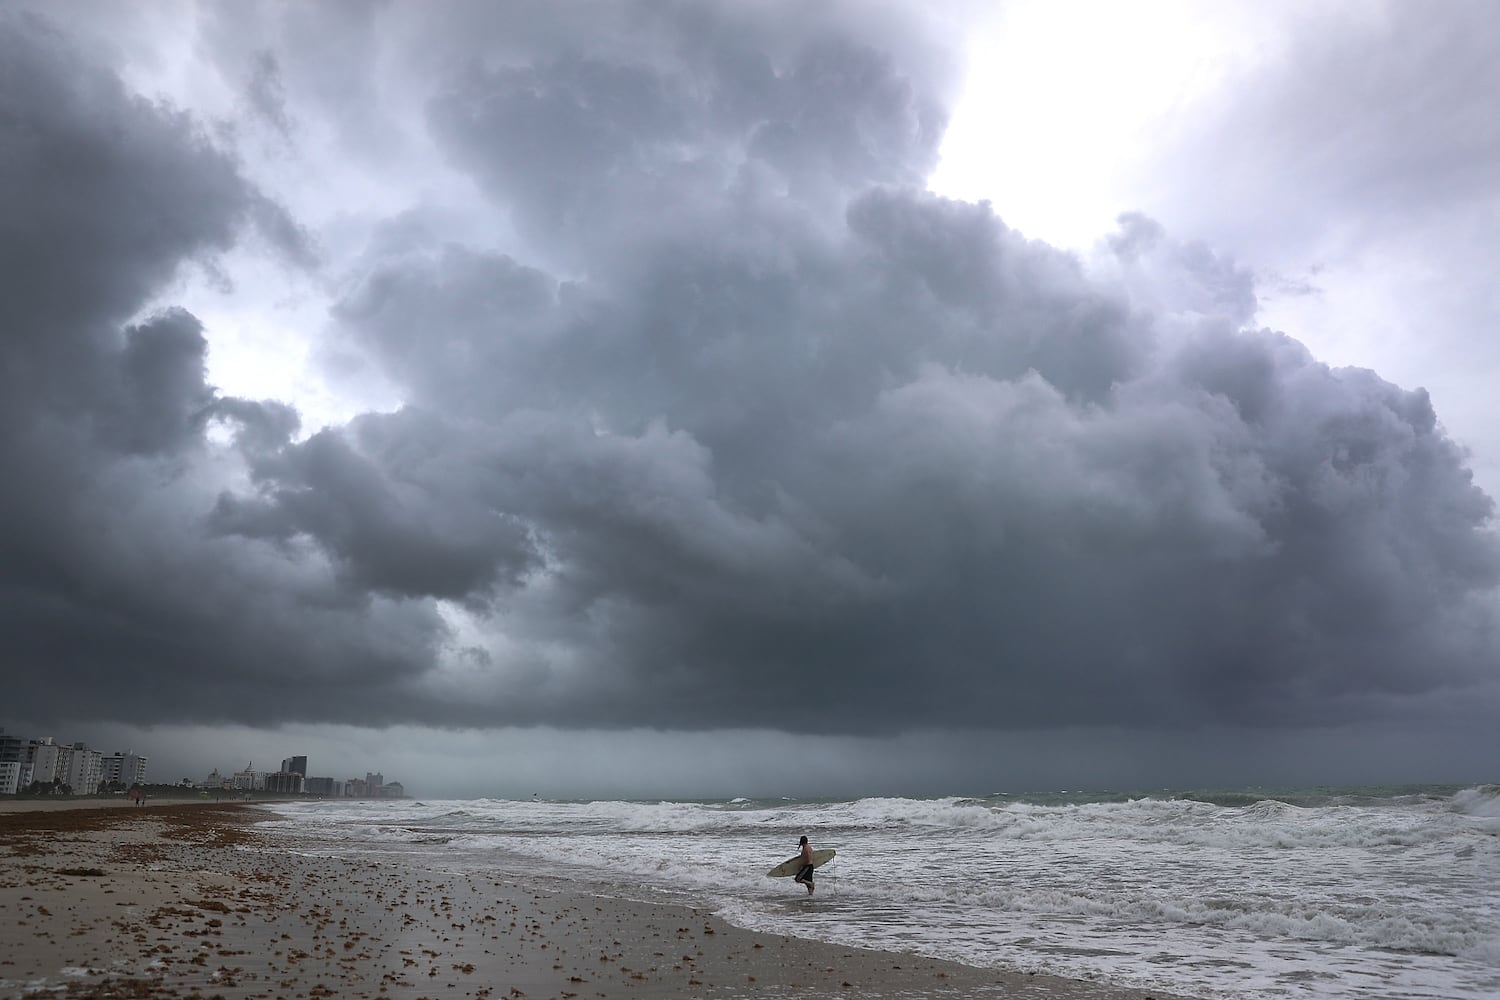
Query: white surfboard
[[792, 866]]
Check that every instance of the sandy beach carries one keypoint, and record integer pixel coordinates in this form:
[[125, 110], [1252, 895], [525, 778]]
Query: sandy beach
[[54, 804], [188, 899]]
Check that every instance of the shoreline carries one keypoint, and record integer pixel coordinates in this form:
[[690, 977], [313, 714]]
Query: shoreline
[[54, 803], [60, 803], [188, 898]]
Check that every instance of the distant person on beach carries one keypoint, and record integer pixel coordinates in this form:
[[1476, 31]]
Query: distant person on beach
[[805, 873]]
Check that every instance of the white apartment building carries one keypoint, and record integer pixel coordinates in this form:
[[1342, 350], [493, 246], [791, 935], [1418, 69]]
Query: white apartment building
[[248, 780], [15, 775], [85, 770], [125, 768]]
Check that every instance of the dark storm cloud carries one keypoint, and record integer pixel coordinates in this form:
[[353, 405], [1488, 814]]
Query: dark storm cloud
[[103, 190], [747, 407], [158, 402], [115, 599], [374, 497]]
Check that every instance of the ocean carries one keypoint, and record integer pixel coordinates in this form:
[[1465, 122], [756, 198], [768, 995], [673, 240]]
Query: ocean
[[1371, 892]]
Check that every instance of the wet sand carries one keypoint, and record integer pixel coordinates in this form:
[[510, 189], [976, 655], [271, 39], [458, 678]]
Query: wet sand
[[55, 803], [188, 900]]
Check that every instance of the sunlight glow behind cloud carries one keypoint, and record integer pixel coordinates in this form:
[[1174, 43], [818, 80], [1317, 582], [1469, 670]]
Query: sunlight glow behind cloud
[[1061, 96]]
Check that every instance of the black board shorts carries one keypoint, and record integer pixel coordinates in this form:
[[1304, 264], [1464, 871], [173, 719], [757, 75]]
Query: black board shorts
[[805, 874]]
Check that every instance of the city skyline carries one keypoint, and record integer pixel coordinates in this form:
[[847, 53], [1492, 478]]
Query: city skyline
[[85, 769]]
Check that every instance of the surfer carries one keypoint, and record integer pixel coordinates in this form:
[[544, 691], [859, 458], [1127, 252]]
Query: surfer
[[805, 873]]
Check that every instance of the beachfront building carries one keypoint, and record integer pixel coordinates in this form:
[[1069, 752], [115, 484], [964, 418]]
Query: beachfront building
[[45, 756], [284, 783], [12, 748], [247, 780], [85, 770], [294, 764], [15, 776], [394, 790], [125, 769], [326, 787]]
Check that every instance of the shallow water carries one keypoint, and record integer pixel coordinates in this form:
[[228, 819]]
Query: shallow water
[[1329, 893]]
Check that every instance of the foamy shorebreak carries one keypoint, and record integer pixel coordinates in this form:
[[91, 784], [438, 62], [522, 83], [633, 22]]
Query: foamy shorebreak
[[197, 900], [1323, 894]]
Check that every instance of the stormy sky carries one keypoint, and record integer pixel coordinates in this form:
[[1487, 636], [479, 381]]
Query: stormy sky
[[727, 398]]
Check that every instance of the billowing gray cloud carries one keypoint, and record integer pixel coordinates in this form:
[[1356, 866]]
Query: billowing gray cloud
[[109, 575], [1350, 160], [741, 407]]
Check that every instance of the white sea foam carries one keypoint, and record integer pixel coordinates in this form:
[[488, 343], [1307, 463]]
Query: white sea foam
[[1481, 801], [1347, 895]]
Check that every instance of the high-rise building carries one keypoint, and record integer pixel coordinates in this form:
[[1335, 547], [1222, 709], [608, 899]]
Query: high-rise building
[[15, 776], [297, 765], [373, 782], [326, 787], [85, 770], [284, 783], [46, 758], [11, 747], [125, 768]]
